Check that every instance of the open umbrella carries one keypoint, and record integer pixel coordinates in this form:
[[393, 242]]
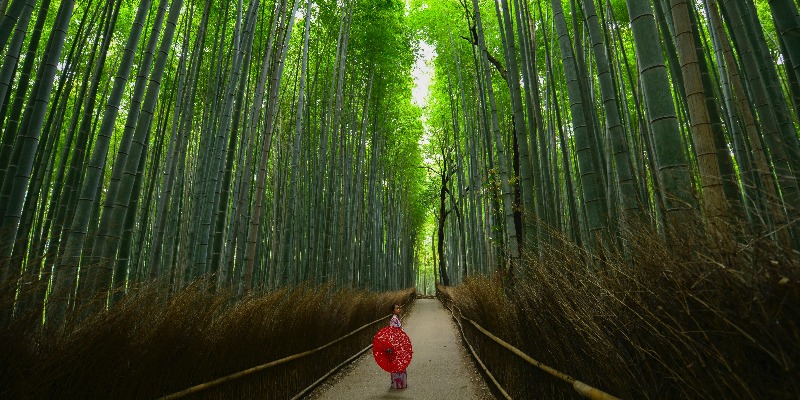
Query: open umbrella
[[391, 348]]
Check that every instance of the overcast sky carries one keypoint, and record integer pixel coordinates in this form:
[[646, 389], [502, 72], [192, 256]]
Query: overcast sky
[[422, 73]]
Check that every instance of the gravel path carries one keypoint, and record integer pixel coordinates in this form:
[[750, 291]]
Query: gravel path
[[440, 369]]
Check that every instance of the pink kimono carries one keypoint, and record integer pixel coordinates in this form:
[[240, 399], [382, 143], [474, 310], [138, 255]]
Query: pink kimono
[[399, 379]]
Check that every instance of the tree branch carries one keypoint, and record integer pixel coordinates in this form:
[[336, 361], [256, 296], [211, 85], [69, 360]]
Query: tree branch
[[430, 169], [445, 213], [497, 64], [453, 203]]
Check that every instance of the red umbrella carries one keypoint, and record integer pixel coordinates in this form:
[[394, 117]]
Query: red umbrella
[[391, 348]]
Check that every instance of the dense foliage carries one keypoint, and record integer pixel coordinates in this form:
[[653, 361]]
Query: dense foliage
[[629, 172], [591, 119], [261, 144], [251, 146]]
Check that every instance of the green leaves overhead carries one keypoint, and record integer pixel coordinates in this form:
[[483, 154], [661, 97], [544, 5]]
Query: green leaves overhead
[[329, 182], [606, 85], [230, 179]]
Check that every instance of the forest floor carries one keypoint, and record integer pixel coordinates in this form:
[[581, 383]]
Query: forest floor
[[439, 370]]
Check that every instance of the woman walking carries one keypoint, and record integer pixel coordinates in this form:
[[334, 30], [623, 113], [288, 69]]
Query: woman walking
[[400, 378]]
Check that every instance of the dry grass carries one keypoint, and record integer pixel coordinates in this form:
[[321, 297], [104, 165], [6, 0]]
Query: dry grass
[[692, 323], [149, 346]]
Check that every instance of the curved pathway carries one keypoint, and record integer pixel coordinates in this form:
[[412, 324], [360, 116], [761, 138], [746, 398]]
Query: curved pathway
[[440, 369]]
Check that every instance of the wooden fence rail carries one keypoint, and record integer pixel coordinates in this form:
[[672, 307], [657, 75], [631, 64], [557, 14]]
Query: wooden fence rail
[[207, 385], [582, 388]]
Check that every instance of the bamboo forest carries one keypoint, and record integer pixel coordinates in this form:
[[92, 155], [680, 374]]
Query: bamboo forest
[[191, 190]]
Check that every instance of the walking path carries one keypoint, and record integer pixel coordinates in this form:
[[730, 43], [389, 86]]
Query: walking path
[[440, 369]]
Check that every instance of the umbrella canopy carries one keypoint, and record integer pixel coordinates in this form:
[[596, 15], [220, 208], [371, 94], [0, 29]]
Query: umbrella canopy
[[391, 348]]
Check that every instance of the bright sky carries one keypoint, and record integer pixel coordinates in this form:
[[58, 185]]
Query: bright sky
[[422, 74]]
